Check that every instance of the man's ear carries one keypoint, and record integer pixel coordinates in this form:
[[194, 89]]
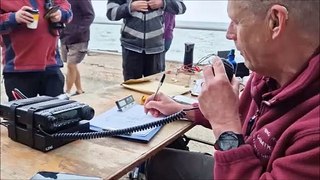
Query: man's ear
[[277, 19]]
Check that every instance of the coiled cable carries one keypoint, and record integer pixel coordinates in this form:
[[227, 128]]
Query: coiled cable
[[108, 133]]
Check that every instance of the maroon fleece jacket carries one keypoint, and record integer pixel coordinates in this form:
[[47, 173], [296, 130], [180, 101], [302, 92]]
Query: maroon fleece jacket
[[284, 138]]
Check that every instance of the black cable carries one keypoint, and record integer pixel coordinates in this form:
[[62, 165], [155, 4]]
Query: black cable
[[191, 67], [205, 58], [92, 135]]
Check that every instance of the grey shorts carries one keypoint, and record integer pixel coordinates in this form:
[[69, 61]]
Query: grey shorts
[[74, 53]]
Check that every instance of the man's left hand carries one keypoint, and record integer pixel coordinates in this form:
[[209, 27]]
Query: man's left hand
[[219, 99]]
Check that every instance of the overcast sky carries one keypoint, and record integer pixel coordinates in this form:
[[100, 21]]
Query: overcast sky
[[197, 10]]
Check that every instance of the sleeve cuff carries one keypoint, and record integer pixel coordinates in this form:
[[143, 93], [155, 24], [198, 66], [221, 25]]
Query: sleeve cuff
[[225, 157], [129, 7], [66, 16], [199, 118], [12, 20]]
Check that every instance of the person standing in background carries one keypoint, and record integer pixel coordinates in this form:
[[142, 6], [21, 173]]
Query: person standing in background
[[74, 42], [30, 57], [142, 33], [169, 20]]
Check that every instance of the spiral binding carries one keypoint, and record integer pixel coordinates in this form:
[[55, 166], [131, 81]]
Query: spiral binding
[[93, 135]]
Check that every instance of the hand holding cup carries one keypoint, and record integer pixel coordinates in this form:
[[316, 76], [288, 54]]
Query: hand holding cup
[[23, 16]]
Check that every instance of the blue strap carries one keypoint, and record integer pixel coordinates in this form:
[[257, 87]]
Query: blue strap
[[34, 4]]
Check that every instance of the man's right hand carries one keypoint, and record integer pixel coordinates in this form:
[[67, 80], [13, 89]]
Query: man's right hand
[[162, 105], [24, 17], [139, 6]]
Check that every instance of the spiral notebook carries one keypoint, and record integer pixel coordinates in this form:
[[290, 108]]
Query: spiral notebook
[[134, 116]]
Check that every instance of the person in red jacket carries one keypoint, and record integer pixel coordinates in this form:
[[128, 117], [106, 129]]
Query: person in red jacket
[[272, 131], [30, 57]]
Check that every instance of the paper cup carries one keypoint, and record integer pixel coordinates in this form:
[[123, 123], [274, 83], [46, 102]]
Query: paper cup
[[35, 14]]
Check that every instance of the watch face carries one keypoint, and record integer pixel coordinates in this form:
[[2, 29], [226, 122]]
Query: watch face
[[228, 141]]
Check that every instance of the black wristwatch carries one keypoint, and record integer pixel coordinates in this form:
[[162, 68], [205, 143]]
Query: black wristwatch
[[228, 140]]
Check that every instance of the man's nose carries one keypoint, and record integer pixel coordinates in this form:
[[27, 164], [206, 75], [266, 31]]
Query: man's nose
[[231, 32], [231, 36]]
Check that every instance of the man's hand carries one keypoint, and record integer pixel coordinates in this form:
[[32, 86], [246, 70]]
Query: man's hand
[[56, 16], [219, 100], [162, 105], [141, 6], [155, 4], [24, 17]]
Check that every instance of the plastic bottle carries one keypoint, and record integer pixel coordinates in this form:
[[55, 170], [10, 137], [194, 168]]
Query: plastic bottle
[[231, 59]]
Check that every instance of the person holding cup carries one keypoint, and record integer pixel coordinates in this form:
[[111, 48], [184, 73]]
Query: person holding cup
[[31, 60]]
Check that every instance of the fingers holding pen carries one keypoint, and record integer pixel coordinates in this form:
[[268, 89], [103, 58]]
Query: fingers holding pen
[[161, 105], [149, 105]]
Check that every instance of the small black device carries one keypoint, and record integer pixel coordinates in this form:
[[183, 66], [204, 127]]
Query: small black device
[[223, 54], [195, 91], [229, 68], [188, 55], [50, 10], [27, 118], [54, 27], [228, 140], [125, 103], [242, 70]]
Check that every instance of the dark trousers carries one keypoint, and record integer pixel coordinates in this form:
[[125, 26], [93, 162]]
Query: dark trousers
[[31, 84], [176, 164], [137, 65]]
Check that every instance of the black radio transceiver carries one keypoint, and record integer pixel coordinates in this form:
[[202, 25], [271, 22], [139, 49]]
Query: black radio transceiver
[[27, 116]]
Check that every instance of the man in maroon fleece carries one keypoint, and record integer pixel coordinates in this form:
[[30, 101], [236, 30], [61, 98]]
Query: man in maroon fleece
[[272, 131]]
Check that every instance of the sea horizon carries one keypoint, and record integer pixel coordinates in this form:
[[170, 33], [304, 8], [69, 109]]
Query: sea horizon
[[105, 37], [204, 25]]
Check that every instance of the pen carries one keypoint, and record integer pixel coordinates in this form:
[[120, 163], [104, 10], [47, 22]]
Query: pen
[[160, 84]]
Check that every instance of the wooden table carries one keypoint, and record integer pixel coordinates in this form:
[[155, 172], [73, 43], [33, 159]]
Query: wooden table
[[109, 158]]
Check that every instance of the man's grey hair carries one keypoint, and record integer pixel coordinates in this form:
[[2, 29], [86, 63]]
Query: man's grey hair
[[305, 13]]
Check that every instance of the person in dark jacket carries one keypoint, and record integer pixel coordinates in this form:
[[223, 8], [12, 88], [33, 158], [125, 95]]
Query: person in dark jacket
[[142, 33], [31, 59], [272, 131], [74, 42]]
